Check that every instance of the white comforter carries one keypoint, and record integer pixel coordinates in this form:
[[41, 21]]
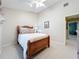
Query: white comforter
[[23, 40]]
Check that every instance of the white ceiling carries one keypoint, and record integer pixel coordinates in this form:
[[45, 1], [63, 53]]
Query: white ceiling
[[22, 5]]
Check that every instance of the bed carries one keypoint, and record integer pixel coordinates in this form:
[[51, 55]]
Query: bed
[[34, 46]]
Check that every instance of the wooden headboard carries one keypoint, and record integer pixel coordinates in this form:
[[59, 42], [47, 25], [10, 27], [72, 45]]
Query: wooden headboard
[[25, 26], [18, 28]]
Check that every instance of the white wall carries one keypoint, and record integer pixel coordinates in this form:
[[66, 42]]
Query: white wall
[[56, 16], [13, 18]]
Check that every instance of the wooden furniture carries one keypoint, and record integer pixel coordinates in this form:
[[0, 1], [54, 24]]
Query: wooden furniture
[[36, 46]]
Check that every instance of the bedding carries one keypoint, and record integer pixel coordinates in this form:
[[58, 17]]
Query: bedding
[[23, 40]]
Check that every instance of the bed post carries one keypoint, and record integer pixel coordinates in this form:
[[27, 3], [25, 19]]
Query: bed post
[[29, 52], [48, 41]]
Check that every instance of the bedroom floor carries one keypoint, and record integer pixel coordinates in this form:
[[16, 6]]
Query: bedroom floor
[[54, 52]]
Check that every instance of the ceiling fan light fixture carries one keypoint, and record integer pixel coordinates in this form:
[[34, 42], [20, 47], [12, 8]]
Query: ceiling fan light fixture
[[37, 3]]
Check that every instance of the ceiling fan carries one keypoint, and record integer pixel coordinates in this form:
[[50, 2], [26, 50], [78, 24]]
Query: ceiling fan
[[35, 3]]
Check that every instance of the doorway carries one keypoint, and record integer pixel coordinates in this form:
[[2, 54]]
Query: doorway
[[72, 24]]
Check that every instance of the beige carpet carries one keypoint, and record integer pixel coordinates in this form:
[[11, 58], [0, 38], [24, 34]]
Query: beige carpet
[[54, 52], [58, 52]]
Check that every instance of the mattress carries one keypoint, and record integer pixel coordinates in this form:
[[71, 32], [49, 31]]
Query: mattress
[[32, 36]]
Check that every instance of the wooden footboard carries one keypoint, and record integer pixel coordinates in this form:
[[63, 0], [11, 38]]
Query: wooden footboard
[[34, 47]]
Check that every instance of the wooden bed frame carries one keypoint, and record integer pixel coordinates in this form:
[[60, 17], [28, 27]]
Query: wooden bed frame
[[36, 46]]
